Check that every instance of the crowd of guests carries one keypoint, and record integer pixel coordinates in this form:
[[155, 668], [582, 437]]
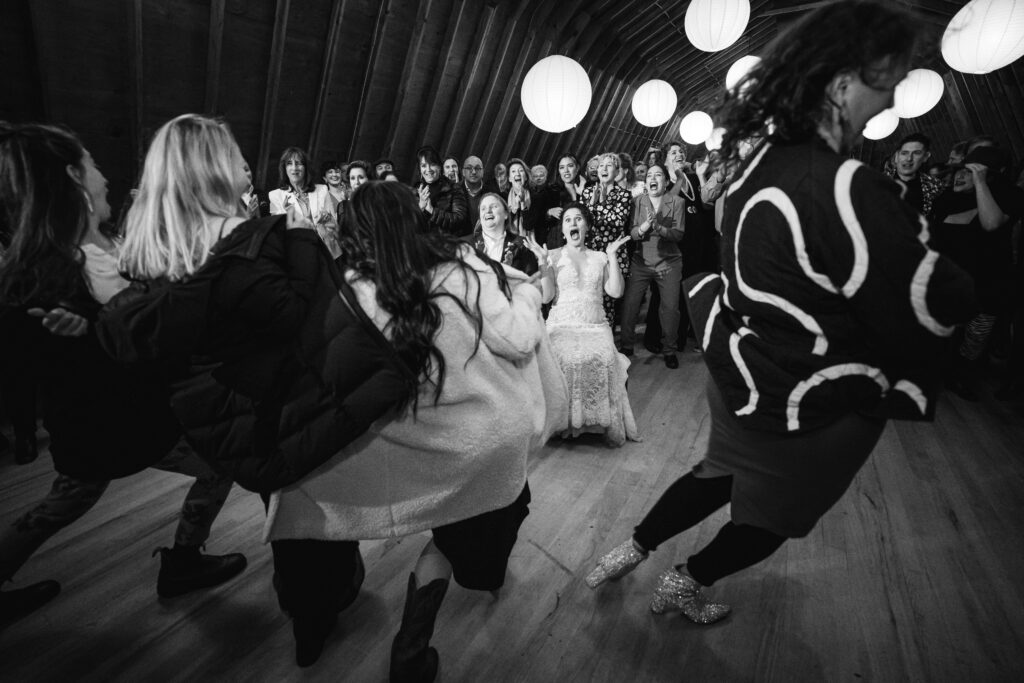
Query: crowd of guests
[[348, 347], [973, 203]]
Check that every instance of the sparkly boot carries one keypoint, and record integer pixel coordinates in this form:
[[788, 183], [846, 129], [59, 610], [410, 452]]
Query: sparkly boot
[[678, 590], [616, 564]]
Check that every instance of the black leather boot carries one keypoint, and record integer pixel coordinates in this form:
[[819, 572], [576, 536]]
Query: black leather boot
[[17, 603], [312, 630], [412, 658], [184, 569]]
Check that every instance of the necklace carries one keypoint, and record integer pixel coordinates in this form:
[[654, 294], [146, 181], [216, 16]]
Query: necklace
[[688, 191]]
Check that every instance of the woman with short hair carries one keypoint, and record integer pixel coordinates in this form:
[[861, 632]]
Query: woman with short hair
[[612, 209], [444, 204]]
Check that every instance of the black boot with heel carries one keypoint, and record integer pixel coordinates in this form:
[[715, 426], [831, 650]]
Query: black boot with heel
[[412, 658]]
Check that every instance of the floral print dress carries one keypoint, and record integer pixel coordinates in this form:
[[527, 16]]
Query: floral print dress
[[611, 221]]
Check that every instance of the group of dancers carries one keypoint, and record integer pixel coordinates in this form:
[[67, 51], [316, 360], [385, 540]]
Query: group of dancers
[[397, 381]]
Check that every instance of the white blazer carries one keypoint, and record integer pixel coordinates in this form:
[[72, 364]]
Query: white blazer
[[318, 201]]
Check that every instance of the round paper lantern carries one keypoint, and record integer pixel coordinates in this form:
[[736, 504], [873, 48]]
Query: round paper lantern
[[985, 35], [714, 140], [696, 127], [740, 68], [713, 25], [556, 94], [881, 125], [917, 93], [654, 103]]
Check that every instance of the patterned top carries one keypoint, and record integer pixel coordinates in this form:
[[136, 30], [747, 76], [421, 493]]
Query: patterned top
[[611, 221], [924, 193], [829, 301]]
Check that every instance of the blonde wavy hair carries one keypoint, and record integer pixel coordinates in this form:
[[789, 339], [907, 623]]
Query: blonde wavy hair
[[191, 175]]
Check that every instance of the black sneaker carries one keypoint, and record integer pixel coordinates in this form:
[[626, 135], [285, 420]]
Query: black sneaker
[[671, 361], [20, 602], [185, 569]]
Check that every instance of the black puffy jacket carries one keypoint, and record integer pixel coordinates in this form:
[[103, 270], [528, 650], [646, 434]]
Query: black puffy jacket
[[284, 369]]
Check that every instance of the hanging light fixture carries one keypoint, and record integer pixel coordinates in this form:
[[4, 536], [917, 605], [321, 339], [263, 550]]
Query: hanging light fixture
[[654, 103], [984, 35], [881, 125], [556, 94], [696, 127], [918, 93], [740, 68], [713, 25]]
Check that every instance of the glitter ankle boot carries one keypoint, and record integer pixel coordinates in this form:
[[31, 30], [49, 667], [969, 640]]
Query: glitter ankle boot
[[677, 590], [616, 564]]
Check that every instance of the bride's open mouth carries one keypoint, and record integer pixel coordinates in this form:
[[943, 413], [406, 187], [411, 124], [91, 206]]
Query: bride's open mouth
[[574, 233]]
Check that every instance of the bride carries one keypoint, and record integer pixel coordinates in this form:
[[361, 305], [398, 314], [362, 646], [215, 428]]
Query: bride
[[581, 338]]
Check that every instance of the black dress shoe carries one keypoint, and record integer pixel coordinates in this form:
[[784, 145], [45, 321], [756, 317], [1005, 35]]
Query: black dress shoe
[[671, 361], [653, 347], [184, 569], [15, 604]]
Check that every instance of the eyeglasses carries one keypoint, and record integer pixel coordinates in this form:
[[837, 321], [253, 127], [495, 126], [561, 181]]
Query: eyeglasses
[[472, 168]]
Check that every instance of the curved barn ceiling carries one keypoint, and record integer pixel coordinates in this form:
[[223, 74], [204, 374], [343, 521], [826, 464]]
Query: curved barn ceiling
[[362, 79]]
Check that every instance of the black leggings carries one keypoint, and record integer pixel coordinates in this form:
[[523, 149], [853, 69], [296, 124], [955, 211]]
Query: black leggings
[[689, 501]]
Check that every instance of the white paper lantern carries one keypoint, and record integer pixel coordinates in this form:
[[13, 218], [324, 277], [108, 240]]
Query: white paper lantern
[[696, 127], [881, 125], [740, 68], [917, 93], [556, 94], [654, 103], [985, 35], [713, 25], [714, 140]]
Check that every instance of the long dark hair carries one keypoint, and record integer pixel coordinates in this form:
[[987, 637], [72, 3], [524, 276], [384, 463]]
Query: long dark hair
[[43, 215], [282, 169], [785, 92], [386, 239]]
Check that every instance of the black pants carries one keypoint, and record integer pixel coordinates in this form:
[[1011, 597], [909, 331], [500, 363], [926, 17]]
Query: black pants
[[312, 577], [689, 501]]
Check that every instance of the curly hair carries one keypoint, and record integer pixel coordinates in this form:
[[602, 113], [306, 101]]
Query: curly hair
[[782, 98], [386, 239]]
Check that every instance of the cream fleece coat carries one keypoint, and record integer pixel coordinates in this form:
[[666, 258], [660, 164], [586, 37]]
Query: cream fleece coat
[[464, 456]]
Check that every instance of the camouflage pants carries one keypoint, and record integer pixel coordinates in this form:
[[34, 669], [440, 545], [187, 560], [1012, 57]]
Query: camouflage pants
[[70, 498]]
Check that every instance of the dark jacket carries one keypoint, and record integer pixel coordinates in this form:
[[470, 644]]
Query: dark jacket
[[554, 195], [514, 253], [451, 208], [828, 303], [104, 423], [284, 369]]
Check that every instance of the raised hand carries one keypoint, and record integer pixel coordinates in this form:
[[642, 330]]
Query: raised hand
[[539, 251], [979, 171], [616, 245], [556, 212], [297, 221], [61, 321]]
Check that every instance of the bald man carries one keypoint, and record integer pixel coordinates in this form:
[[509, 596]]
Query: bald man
[[473, 180]]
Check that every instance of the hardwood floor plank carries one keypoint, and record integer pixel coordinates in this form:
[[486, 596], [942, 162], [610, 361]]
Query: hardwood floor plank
[[914, 575]]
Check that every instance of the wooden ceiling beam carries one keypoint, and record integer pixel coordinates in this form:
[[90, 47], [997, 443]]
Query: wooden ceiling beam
[[327, 75], [213, 55], [270, 104]]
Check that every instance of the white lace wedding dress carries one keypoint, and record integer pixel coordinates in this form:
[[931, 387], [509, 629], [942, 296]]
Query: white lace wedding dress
[[595, 372]]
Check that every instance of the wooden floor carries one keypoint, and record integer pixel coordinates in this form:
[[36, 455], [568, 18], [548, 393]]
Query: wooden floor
[[916, 575]]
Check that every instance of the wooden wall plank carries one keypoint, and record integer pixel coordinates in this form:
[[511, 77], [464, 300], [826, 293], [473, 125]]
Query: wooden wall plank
[[327, 75], [213, 55], [270, 105]]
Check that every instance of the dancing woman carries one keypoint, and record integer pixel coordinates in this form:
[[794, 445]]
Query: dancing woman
[[104, 423], [611, 208], [455, 463], [812, 350]]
